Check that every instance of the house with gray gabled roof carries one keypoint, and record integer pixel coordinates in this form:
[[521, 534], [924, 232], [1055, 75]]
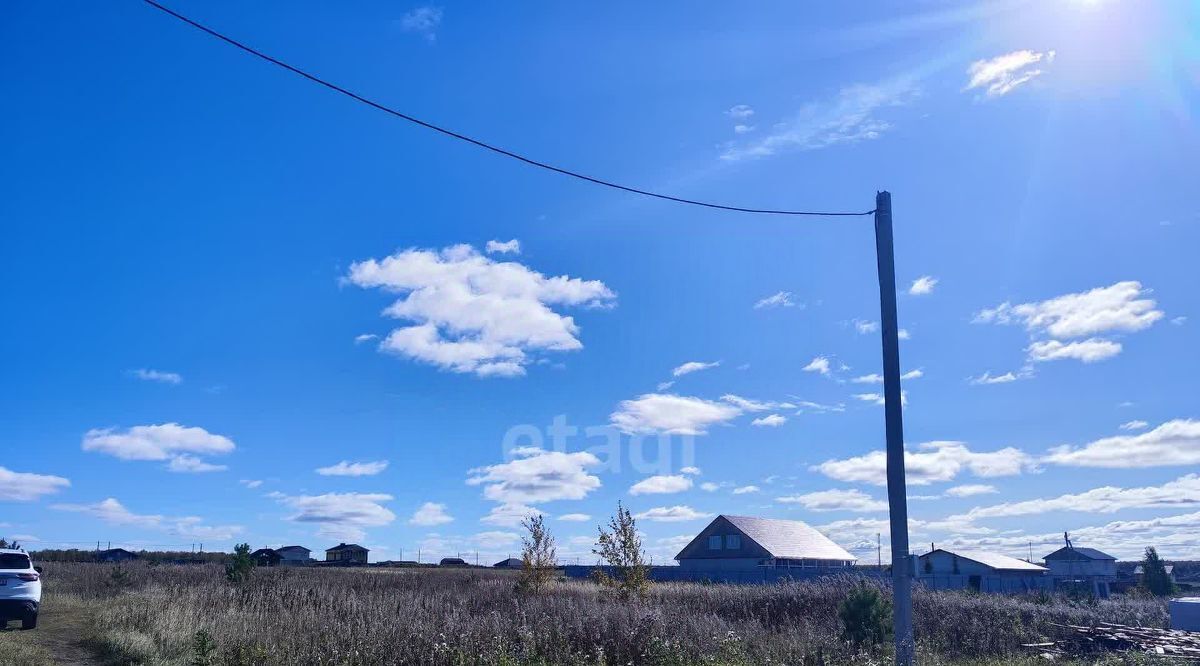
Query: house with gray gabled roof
[[979, 570], [748, 544], [1087, 569], [1073, 561]]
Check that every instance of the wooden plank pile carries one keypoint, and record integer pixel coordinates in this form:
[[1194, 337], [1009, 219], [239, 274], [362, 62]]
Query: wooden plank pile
[[1080, 640]]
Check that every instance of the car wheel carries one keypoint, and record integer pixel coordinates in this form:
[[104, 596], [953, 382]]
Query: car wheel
[[29, 621]]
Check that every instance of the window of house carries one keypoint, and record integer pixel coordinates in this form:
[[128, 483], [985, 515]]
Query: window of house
[[733, 541], [714, 542]]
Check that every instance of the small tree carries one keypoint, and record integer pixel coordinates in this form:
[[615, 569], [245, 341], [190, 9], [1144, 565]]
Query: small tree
[[538, 555], [620, 548], [1155, 578], [866, 616], [204, 649], [9, 544], [240, 565]]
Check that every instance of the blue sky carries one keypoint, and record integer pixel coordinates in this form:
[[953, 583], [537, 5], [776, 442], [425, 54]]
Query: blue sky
[[243, 308]]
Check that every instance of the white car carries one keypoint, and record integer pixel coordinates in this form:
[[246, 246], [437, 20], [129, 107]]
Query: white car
[[20, 588]]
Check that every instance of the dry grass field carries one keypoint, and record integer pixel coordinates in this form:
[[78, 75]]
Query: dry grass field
[[152, 615]]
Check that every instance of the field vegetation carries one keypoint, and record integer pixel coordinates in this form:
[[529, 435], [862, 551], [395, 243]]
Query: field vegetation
[[170, 614]]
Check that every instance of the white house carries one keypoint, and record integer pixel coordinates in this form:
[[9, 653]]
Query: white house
[[979, 570], [1086, 568], [1072, 562], [743, 543]]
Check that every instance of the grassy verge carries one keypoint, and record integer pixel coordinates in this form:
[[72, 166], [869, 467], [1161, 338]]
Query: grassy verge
[[152, 614]]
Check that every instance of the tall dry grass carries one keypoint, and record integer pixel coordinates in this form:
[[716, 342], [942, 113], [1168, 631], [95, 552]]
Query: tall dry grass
[[150, 614]]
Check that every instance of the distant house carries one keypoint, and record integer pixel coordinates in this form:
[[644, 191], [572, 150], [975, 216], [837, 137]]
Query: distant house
[[115, 555], [292, 556], [745, 544], [510, 563], [1139, 573], [265, 557], [346, 553], [979, 570], [1073, 567], [452, 562], [1071, 561]]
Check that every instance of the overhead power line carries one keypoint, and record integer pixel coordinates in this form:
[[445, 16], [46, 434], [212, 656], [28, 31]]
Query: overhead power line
[[483, 144]]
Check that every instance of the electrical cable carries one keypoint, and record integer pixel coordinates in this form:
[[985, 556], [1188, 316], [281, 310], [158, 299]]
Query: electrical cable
[[482, 144]]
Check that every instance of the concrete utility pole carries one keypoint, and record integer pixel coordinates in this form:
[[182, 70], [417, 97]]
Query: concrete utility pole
[[893, 414]]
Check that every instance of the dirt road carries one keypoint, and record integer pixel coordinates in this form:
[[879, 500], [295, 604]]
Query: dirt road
[[58, 639]]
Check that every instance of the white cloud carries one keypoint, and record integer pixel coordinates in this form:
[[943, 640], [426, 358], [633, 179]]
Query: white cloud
[[864, 327], [496, 539], [988, 378], [1175, 442], [810, 406], [181, 445], [835, 500], [711, 486], [1120, 307], [879, 399], [343, 516], [771, 421], [112, 512], [743, 129], [903, 334], [876, 378], [970, 490], [1135, 425], [780, 299], [1179, 321], [661, 484], [671, 514], [693, 366], [740, 111], [192, 465], [1181, 493], [694, 471], [743, 490], [251, 483], [819, 364], [536, 475], [748, 405], [149, 375], [1003, 74], [506, 247], [473, 314], [575, 517], [663, 386], [430, 513], [1088, 351], [1175, 537], [365, 337], [933, 462], [346, 468], [25, 487], [923, 285], [510, 515], [849, 117], [423, 20], [671, 414]]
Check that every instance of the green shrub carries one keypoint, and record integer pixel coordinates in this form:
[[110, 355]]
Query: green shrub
[[240, 565], [538, 555], [620, 548], [1155, 578], [866, 616], [204, 649]]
